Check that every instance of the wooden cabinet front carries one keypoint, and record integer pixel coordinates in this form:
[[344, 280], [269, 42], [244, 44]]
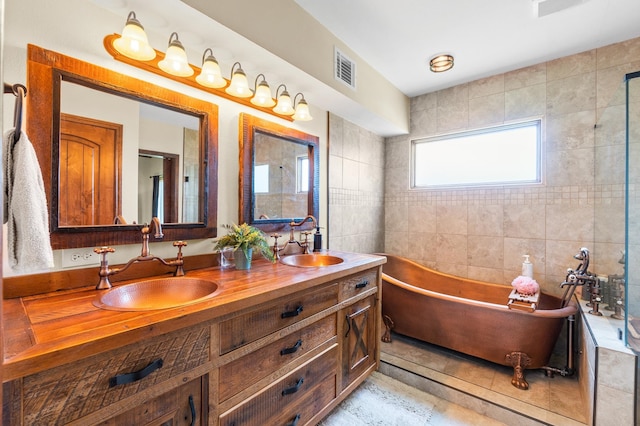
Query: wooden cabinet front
[[182, 406], [70, 392], [284, 400], [359, 341]]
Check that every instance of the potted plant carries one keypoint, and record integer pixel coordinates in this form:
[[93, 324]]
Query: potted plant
[[244, 239]]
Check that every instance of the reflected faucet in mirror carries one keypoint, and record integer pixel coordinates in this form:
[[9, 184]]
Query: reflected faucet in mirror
[[154, 228]]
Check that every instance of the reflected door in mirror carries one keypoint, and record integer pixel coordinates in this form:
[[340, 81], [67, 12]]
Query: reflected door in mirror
[[90, 173]]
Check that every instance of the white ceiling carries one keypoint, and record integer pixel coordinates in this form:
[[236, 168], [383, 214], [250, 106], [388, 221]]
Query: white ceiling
[[488, 37], [398, 37]]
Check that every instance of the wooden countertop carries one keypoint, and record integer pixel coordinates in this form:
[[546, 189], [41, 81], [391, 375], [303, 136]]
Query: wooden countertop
[[52, 329]]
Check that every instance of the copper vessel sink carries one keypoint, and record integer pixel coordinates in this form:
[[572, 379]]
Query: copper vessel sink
[[311, 260], [156, 294]]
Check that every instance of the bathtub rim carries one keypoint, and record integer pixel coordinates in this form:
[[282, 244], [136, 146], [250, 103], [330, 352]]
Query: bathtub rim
[[570, 309]]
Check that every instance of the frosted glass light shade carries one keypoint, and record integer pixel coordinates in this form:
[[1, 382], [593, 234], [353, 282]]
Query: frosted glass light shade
[[210, 75], [302, 111], [239, 85], [284, 105], [175, 60], [133, 42], [262, 96]]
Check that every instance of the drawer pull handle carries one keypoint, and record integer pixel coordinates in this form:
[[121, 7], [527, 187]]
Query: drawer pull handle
[[293, 313], [292, 349], [293, 389], [123, 379], [193, 410], [362, 284], [295, 421]]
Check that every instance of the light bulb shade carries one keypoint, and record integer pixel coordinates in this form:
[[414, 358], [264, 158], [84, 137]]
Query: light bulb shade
[[210, 74], [175, 60], [302, 111], [239, 85], [262, 97], [133, 42], [284, 105]]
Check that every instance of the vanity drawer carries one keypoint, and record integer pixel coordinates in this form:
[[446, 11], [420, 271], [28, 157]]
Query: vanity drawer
[[243, 329], [357, 284], [237, 375], [282, 401], [71, 391]]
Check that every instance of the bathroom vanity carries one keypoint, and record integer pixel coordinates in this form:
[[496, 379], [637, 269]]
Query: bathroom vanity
[[274, 345]]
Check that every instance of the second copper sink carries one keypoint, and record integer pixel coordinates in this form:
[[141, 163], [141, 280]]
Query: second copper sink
[[154, 294], [311, 260]]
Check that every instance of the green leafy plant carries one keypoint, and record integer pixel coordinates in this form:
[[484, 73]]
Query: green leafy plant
[[245, 237]]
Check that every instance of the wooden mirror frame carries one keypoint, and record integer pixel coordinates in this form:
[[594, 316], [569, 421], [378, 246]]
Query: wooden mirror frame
[[249, 125], [44, 69]]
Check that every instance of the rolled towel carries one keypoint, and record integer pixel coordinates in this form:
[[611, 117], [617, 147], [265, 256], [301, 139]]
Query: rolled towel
[[525, 285]]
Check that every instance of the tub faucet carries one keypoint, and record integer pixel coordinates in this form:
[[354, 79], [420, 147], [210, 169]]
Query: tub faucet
[[583, 256], [154, 227]]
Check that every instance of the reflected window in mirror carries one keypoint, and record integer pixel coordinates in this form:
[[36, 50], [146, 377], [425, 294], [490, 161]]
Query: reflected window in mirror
[[279, 177], [94, 183]]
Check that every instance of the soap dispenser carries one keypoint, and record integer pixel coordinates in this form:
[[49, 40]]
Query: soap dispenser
[[317, 240], [527, 267]]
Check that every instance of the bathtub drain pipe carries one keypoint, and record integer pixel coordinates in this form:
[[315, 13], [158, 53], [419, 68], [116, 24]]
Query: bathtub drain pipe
[[568, 370]]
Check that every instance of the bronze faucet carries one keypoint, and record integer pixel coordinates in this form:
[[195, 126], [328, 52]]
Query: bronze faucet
[[155, 227], [304, 245]]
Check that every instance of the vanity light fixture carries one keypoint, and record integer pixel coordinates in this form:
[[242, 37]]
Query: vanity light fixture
[[174, 65], [302, 109], [262, 96], [441, 63], [210, 74], [175, 59], [133, 42], [284, 105]]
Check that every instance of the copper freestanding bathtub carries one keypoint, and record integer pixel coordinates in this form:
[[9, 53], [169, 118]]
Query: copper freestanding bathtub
[[470, 316]]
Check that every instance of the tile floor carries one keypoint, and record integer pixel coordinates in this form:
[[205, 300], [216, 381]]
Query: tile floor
[[483, 386]]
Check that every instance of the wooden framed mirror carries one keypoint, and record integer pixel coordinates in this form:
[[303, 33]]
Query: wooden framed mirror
[[91, 180], [279, 174]]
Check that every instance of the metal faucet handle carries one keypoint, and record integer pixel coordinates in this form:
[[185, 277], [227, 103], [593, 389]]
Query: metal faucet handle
[[103, 250], [179, 243]]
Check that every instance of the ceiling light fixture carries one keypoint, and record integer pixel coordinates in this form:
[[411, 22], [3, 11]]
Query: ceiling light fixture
[[441, 63], [210, 74], [302, 109], [175, 60], [262, 96], [239, 85], [284, 105], [133, 42]]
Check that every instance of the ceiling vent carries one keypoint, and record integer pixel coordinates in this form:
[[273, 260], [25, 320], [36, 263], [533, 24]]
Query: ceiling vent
[[345, 69], [547, 7]]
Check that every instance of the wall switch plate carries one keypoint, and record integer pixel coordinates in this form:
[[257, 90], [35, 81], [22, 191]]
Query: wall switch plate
[[79, 257]]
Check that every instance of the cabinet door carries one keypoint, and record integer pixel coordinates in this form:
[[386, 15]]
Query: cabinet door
[[179, 406], [359, 344]]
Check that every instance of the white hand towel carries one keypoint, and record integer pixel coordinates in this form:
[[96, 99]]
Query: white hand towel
[[25, 207]]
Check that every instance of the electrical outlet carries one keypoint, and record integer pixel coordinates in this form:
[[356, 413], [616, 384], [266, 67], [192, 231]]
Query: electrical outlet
[[79, 257]]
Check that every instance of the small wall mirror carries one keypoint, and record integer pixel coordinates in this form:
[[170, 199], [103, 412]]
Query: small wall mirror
[[279, 174], [116, 151]]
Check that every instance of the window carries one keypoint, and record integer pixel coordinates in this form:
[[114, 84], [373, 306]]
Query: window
[[507, 154], [302, 173], [261, 179]]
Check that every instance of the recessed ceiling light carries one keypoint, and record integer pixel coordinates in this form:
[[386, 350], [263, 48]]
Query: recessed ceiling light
[[441, 63]]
